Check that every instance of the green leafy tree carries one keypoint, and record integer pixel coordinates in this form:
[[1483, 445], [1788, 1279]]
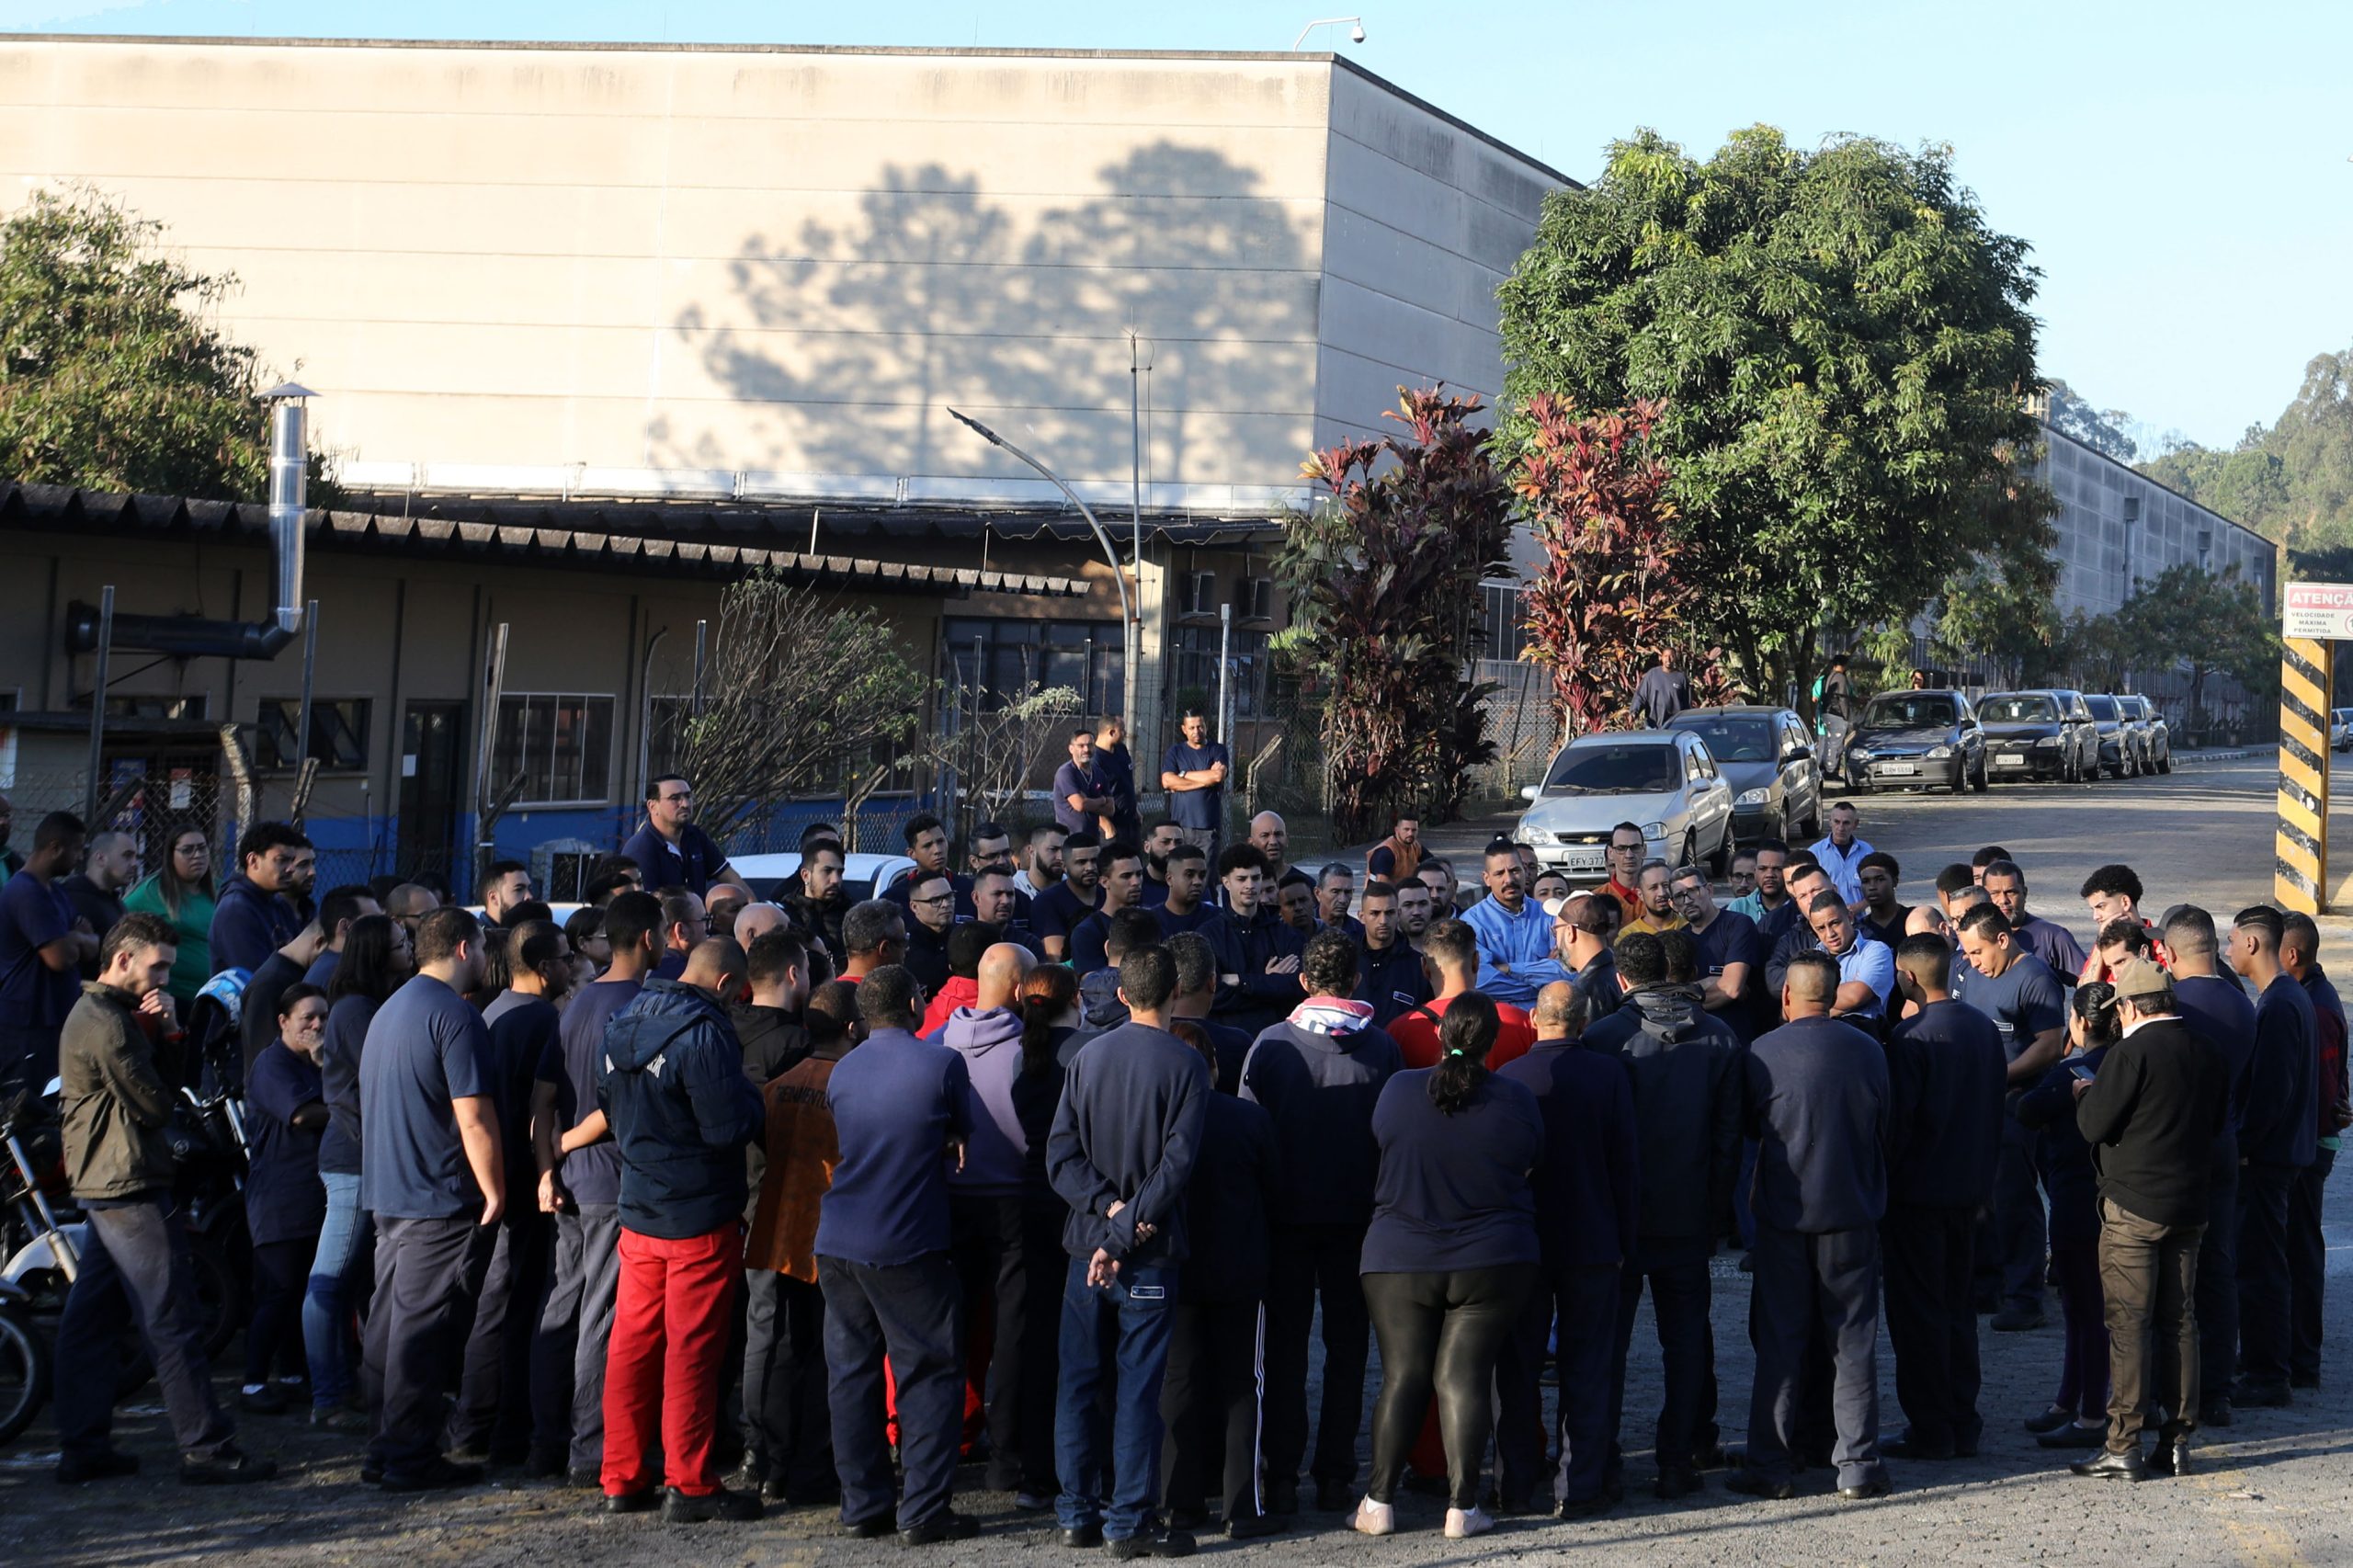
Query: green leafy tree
[[2216, 620], [2102, 429], [112, 375], [1842, 349], [2290, 481]]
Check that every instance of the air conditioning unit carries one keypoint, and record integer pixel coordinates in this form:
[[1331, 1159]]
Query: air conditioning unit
[[1200, 594]]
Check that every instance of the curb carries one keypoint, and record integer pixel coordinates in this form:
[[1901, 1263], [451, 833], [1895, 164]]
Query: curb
[[2235, 755]]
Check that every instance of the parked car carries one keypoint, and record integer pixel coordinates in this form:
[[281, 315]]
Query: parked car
[[1916, 740], [2117, 755], [2340, 729], [1665, 780], [2150, 731], [863, 876], [2042, 733], [1766, 756]]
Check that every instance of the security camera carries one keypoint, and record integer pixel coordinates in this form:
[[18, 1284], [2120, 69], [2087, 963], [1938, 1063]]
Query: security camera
[[1356, 34]]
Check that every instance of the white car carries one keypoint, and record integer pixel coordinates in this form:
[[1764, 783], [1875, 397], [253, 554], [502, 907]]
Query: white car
[[1665, 781], [2340, 729], [863, 876]]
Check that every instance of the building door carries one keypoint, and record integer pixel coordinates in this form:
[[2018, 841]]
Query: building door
[[432, 748]]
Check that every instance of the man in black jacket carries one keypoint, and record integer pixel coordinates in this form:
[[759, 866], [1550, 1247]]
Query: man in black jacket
[[2150, 1115], [1257, 955], [2277, 1142], [775, 1042], [815, 898], [1948, 1078], [1392, 978], [1122, 1152]]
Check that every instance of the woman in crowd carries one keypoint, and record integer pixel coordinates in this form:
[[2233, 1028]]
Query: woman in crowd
[[1049, 1009], [377, 960], [584, 928], [181, 892], [2078, 1417], [1451, 1256], [285, 1205]]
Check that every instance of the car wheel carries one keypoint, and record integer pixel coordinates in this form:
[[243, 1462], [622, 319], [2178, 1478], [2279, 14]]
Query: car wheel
[[1978, 781], [1690, 856], [1719, 863], [2165, 763]]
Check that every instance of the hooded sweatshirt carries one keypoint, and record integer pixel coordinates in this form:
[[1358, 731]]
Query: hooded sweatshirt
[[670, 1081], [1320, 1074], [248, 925], [957, 991], [997, 1149], [1686, 1073]]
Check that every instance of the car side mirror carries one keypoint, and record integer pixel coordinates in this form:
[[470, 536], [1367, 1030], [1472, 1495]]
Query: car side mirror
[[1531, 791], [1799, 754]]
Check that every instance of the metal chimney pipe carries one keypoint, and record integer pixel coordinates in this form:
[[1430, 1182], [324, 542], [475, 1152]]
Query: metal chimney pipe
[[289, 461]]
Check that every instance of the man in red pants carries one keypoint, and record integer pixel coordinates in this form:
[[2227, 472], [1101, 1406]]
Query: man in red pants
[[672, 1084]]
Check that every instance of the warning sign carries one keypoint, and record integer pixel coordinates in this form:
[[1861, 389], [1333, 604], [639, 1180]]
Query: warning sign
[[2323, 610]]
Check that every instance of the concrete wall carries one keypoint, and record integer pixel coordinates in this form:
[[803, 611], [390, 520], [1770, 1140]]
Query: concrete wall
[[2116, 527]]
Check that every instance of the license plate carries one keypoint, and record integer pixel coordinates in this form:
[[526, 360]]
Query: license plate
[[1585, 860], [2010, 759], [1906, 767]]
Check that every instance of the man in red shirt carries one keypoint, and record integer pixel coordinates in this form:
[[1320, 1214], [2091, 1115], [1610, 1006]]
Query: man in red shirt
[[1625, 862], [1452, 950], [2113, 894]]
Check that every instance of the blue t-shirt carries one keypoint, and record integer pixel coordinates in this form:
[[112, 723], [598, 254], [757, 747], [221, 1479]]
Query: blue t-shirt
[[1453, 1191], [1197, 809], [690, 863], [1203, 915], [284, 1202], [1733, 937], [525, 1047], [1068, 781], [592, 1175], [34, 998], [426, 1047], [1058, 910], [339, 1060], [896, 1101], [2025, 1001]]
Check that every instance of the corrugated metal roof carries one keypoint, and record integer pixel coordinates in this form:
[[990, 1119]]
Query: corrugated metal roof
[[526, 533]]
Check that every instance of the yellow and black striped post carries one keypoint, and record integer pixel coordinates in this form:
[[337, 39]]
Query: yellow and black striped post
[[2300, 864]]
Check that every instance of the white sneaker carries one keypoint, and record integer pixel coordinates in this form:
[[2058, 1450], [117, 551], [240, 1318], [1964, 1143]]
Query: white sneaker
[[1463, 1523], [1376, 1519]]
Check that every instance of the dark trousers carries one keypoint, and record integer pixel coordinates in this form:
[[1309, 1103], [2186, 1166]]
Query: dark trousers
[[1209, 1406], [1440, 1332], [1930, 1257], [788, 1416], [134, 1269], [2075, 1262], [991, 1255], [2018, 1219], [1805, 1285], [575, 1326], [2217, 1291], [1112, 1478], [2265, 1312], [281, 1277], [908, 1312], [1582, 1302], [427, 1270], [1677, 1278], [493, 1409], [1312, 1263], [2307, 1267], [2148, 1277]]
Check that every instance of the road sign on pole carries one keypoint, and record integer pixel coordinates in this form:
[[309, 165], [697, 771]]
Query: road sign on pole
[[2317, 610], [2307, 676]]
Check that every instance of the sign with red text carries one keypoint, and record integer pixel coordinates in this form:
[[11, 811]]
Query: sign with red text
[[2324, 610]]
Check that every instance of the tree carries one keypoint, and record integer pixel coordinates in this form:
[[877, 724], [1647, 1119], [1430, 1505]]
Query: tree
[[2290, 481], [1842, 348], [1612, 590], [1383, 576], [2101, 429], [805, 696], [112, 376], [2214, 619], [994, 745]]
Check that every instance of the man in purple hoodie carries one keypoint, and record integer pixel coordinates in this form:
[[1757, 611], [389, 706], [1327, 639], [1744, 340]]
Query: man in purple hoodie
[[984, 1206]]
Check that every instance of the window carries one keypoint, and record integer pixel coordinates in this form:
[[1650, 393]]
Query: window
[[1005, 656], [562, 745], [338, 734], [119, 706], [1192, 662], [1505, 614], [1613, 769]]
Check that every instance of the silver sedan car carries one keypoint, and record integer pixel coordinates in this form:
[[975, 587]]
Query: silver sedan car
[[1665, 781]]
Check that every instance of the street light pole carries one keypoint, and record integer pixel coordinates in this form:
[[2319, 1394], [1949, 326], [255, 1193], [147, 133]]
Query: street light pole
[[1110, 551]]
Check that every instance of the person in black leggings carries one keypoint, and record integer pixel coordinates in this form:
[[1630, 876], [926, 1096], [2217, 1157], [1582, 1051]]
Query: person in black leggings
[[285, 1205], [1451, 1257], [2078, 1417]]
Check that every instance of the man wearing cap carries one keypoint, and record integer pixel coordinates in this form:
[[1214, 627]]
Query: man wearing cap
[[2150, 1115]]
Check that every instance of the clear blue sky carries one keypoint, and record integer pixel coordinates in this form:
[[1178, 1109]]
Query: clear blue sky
[[2181, 171]]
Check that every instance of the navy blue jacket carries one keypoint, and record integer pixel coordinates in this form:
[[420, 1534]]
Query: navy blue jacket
[[2061, 1155], [1321, 1090], [1950, 1079], [1228, 1204], [1587, 1188], [1243, 949], [1129, 1132], [896, 1102], [1684, 1068], [249, 924], [1392, 980], [2218, 1009], [671, 1082], [1818, 1109], [2282, 1122]]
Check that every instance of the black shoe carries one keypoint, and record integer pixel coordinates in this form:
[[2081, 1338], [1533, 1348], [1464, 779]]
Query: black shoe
[[1336, 1497], [1910, 1447], [2217, 1414], [466, 1453], [1188, 1518], [436, 1475], [370, 1474], [263, 1401], [1083, 1538], [1750, 1483], [228, 1467], [874, 1529], [946, 1525], [1585, 1507], [2050, 1420], [584, 1478], [2262, 1396], [1712, 1457], [344, 1418], [543, 1464], [2017, 1320], [1251, 1527], [1151, 1541], [1674, 1484], [1283, 1498], [1747, 1263], [749, 1476], [2073, 1436], [2113, 1466], [2303, 1380], [644, 1500], [1877, 1486], [104, 1466], [733, 1508], [2170, 1458]]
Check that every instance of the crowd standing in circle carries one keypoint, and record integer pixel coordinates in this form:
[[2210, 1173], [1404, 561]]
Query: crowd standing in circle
[[1059, 1162]]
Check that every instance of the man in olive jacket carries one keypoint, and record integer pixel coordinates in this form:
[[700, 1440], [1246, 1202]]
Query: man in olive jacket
[[116, 1105]]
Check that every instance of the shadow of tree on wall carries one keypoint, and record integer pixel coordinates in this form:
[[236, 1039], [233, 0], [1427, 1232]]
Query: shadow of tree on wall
[[852, 342]]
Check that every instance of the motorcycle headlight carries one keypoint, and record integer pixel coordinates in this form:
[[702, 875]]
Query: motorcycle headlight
[[1938, 754], [2051, 742], [1752, 797]]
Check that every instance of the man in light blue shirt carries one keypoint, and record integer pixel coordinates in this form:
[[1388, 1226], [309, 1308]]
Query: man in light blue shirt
[[1866, 968], [1841, 852], [1516, 958]]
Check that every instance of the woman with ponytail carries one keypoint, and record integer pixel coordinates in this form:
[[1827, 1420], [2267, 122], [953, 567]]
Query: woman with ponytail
[[1451, 1256], [1048, 1003], [2078, 1417]]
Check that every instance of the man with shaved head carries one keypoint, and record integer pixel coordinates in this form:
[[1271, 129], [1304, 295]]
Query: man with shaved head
[[723, 902], [671, 1084], [1270, 836]]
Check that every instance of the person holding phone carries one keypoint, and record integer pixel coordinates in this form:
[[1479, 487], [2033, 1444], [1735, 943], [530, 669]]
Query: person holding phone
[[2078, 1415]]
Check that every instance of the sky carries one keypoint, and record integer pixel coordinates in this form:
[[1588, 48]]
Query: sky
[[2184, 173]]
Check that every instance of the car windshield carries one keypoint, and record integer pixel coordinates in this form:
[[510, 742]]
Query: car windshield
[[1909, 711], [1610, 770], [2023, 709], [2101, 706], [1733, 740]]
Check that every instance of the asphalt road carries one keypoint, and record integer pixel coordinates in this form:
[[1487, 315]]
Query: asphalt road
[[2275, 1489]]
